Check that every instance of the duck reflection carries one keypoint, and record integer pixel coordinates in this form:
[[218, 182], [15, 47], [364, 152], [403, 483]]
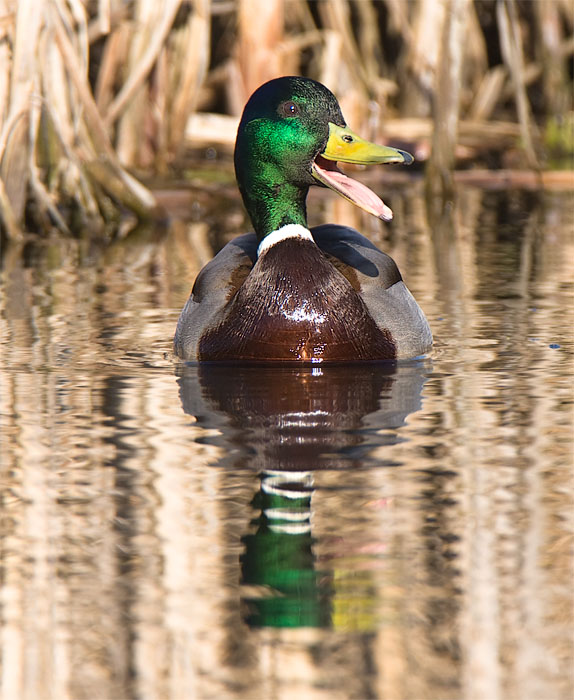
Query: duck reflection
[[287, 423], [281, 587]]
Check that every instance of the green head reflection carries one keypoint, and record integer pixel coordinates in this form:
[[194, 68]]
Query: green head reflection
[[282, 587]]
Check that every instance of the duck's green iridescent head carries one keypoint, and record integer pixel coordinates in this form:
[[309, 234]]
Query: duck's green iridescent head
[[291, 132]]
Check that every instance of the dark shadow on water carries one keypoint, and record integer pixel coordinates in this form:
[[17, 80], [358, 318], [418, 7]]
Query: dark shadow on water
[[287, 423]]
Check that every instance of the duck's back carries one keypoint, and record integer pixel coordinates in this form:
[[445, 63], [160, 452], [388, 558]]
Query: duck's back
[[215, 285], [380, 285]]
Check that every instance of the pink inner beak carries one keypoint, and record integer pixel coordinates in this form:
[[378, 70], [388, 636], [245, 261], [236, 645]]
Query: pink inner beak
[[326, 171]]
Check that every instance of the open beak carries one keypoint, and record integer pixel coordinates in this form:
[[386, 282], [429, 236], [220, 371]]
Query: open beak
[[345, 146]]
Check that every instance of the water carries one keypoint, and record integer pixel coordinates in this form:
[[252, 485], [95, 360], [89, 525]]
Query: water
[[332, 532]]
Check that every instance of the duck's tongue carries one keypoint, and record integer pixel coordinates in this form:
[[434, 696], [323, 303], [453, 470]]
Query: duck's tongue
[[326, 172]]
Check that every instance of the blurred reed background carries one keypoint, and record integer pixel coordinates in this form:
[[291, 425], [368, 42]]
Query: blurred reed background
[[96, 92]]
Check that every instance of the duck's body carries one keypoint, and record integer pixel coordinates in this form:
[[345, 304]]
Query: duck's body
[[287, 294], [359, 308]]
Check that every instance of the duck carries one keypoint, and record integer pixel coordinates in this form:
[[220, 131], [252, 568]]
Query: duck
[[285, 293]]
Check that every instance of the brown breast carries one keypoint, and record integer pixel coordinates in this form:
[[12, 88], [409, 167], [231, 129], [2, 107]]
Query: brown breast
[[295, 306]]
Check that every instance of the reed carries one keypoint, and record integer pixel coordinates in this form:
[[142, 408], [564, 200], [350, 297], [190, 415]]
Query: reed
[[92, 93]]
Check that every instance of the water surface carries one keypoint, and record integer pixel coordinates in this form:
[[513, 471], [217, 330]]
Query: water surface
[[379, 531]]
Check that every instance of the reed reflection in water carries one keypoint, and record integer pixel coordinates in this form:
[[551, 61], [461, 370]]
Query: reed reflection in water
[[396, 532]]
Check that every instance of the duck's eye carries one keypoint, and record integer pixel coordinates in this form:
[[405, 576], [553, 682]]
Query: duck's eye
[[289, 109]]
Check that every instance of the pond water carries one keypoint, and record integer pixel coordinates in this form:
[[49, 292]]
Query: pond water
[[397, 532]]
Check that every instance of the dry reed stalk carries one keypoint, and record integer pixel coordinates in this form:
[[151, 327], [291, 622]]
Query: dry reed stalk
[[109, 16], [153, 23], [12, 226], [475, 63], [13, 165], [488, 93], [6, 29], [555, 83], [369, 41], [300, 17], [58, 133], [381, 78], [343, 68], [331, 58], [189, 69], [336, 17], [114, 57], [534, 71], [104, 17], [47, 206], [260, 31], [439, 180], [381, 87], [14, 136], [95, 148], [399, 20], [422, 57], [54, 147], [167, 65], [131, 106], [511, 46]]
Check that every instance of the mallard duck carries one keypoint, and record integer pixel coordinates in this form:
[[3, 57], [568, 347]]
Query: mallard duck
[[286, 293]]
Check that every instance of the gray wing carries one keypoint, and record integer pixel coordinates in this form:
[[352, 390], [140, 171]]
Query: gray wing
[[216, 283], [376, 277]]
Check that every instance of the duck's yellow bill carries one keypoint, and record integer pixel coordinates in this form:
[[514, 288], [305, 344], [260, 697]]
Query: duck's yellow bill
[[345, 146]]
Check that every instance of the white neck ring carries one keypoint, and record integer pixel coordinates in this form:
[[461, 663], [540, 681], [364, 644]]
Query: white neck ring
[[288, 231]]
